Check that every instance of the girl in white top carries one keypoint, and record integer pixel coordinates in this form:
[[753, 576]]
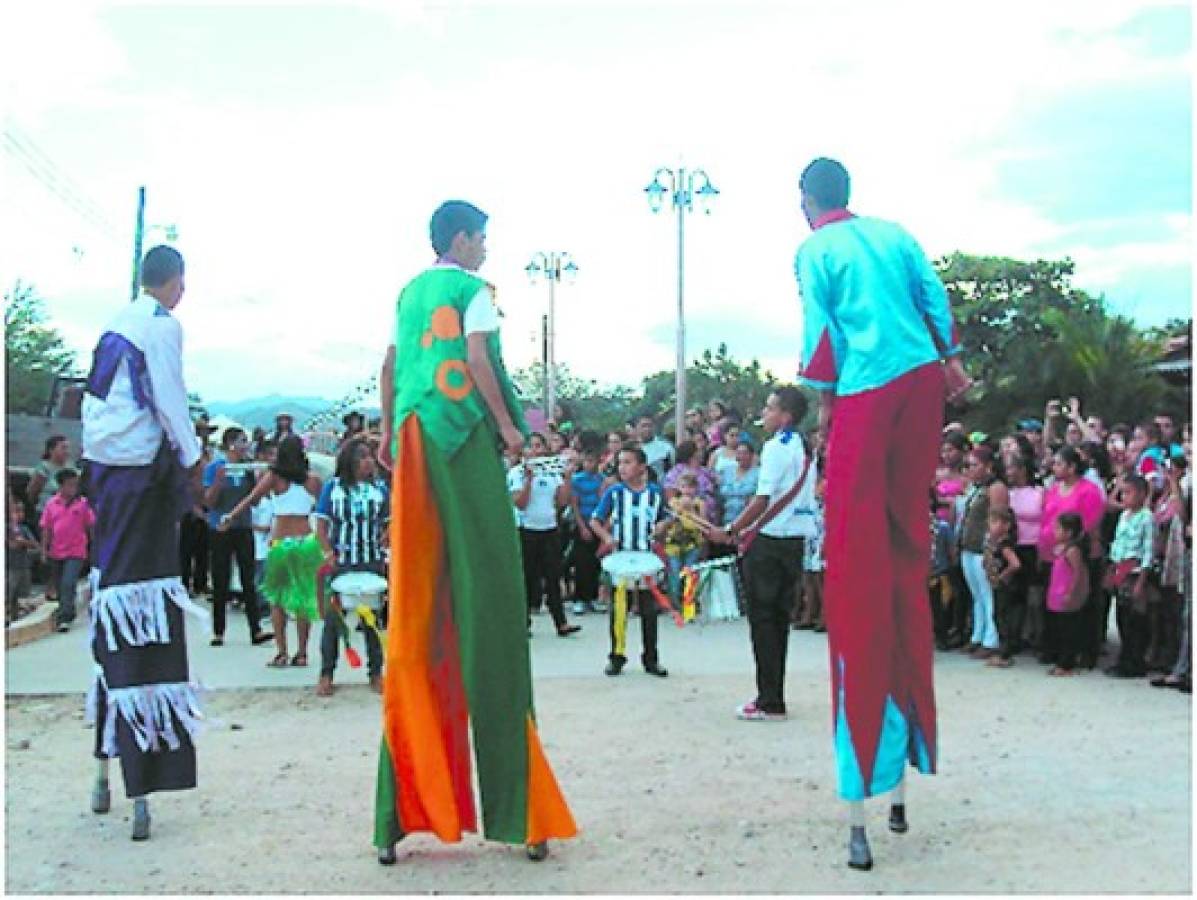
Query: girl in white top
[[295, 555]]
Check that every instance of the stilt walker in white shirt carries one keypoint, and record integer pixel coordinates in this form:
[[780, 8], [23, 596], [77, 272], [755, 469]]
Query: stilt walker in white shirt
[[141, 460]]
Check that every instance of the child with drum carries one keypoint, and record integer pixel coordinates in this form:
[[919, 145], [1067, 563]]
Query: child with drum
[[351, 519], [628, 518]]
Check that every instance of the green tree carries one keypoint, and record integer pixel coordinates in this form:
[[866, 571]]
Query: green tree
[[1030, 336], [715, 375], [34, 351], [592, 406]]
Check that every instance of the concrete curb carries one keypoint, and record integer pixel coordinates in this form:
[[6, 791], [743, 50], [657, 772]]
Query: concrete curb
[[37, 624]]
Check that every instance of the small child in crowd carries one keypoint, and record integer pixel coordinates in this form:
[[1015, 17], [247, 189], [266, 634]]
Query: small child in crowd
[[67, 522], [1066, 593], [586, 487], [1130, 562], [1003, 568], [22, 549], [634, 512], [939, 583], [683, 539]]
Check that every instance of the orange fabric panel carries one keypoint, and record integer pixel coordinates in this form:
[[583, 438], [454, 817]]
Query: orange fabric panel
[[416, 732], [548, 814]]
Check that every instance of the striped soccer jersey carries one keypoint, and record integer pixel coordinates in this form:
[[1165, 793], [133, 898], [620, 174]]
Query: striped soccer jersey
[[632, 514], [356, 516]]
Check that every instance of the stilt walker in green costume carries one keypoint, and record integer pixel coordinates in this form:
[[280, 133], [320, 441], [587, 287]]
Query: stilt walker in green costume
[[457, 662]]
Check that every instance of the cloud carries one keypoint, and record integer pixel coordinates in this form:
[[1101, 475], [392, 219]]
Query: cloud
[[301, 149]]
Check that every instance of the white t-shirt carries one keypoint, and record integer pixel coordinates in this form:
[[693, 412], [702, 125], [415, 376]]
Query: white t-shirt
[[782, 460], [481, 314], [262, 514], [659, 454], [541, 512]]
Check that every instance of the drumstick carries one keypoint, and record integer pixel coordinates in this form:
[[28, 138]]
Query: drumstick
[[698, 520]]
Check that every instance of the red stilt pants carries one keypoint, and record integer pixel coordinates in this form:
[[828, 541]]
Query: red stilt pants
[[880, 467]]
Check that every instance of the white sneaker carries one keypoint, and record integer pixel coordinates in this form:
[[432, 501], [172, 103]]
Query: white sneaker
[[750, 712]]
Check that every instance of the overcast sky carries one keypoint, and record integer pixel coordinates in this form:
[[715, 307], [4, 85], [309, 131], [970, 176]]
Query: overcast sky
[[300, 150]]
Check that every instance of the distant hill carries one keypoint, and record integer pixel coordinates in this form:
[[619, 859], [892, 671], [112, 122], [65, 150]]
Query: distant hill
[[261, 411]]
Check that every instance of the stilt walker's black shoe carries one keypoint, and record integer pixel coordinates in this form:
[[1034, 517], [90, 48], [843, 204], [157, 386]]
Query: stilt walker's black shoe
[[897, 818], [859, 855], [141, 820], [538, 852], [101, 796], [386, 855]]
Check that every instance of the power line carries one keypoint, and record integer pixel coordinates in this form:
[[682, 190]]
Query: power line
[[50, 176], [30, 149]]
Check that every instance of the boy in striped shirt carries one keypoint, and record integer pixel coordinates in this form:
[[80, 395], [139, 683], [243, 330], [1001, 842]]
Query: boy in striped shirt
[[629, 517]]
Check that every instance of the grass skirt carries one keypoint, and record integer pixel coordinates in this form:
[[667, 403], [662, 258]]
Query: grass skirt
[[289, 581]]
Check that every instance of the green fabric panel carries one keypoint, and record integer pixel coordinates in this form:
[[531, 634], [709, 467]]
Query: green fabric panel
[[446, 422], [387, 830], [490, 609]]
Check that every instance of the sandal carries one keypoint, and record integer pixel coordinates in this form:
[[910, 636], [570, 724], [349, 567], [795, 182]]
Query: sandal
[[279, 662], [299, 660]]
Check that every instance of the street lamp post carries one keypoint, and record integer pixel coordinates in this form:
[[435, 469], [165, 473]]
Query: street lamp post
[[551, 266], [683, 187]]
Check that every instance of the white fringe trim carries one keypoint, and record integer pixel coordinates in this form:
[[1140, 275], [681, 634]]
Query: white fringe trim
[[92, 704], [138, 610], [147, 710]]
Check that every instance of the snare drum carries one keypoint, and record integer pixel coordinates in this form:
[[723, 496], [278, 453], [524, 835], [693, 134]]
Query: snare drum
[[358, 588], [628, 567]]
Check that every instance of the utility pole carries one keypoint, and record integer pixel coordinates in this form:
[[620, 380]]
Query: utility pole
[[682, 187], [544, 360], [138, 234]]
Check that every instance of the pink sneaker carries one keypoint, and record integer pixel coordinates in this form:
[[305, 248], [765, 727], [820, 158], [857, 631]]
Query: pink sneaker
[[750, 712]]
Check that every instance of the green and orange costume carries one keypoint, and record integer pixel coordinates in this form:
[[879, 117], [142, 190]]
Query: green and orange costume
[[456, 646]]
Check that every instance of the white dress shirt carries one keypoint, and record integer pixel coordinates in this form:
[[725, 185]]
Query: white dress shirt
[[782, 460]]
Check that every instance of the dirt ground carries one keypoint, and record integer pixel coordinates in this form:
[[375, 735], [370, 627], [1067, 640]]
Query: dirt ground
[[1079, 785]]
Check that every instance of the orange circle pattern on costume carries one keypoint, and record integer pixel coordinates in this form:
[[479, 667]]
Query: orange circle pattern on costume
[[444, 378], [446, 323]]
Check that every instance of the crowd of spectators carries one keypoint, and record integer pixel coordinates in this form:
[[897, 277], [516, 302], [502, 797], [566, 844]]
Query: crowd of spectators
[[1010, 514]]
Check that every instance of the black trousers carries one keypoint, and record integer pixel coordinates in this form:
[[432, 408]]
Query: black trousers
[[586, 568], [193, 552], [542, 572], [1066, 637], [771, 568], [236, 543], [941, 612], [1132, 634], [960, 611], [1096, 615], [648, 628], [1010, 606]]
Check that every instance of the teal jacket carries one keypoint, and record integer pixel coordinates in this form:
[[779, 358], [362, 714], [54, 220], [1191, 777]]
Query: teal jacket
[[873, 307]]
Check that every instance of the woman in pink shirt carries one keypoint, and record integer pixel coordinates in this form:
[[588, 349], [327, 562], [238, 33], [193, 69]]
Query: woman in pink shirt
[[66, 525], [1073, 493], [1026, 501], [950, 479]]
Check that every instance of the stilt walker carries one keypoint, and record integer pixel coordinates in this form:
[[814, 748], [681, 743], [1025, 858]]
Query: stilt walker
[[879, 345], [138, 445], [457, 676]]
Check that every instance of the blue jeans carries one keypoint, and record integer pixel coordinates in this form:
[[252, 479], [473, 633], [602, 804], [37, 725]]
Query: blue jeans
[[985, 630], [67, 572], [676, 564]]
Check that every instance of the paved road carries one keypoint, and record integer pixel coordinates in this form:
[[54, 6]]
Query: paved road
[[61, 663]]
